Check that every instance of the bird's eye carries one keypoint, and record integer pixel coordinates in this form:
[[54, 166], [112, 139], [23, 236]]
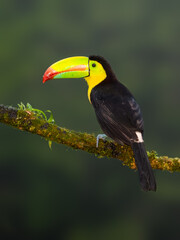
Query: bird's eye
[[93, 65]]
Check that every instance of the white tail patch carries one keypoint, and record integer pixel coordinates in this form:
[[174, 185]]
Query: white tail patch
[[139, 136]]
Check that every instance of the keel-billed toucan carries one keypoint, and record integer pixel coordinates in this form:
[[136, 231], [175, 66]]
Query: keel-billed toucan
[[116, 109]]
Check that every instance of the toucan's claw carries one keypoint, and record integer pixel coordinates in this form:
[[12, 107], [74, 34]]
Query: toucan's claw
[[100, 136]]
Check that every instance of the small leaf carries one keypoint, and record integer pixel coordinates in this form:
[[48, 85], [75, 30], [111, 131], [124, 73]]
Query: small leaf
[[21, 106], [51, 118], [50, 144], [29, 107], [40, 113]]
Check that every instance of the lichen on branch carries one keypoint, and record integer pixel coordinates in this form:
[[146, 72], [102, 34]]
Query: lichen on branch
[[32, 120]]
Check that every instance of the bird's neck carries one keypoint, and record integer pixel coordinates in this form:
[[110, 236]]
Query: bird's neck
[[93, 81]]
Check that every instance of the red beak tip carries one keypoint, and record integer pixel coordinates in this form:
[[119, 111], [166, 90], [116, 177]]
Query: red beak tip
[[44, 79], [49, 74]]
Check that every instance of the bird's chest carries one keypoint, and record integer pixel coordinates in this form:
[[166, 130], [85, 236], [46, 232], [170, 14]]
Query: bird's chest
[[106, 98], [107, 107], [99, 99]]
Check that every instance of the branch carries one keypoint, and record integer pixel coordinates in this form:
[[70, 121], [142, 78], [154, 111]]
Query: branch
[[31, 121]]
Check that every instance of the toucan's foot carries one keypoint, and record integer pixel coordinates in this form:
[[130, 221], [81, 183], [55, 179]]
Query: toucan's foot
[[100, 136]]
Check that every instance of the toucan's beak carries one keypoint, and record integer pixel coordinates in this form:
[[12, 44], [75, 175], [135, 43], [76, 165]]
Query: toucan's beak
[[73, 67]]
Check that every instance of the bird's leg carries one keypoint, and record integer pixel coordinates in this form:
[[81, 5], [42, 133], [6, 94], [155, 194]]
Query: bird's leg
[[100, 136]]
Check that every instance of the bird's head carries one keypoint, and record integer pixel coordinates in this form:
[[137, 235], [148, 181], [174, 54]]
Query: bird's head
[[93, 69]]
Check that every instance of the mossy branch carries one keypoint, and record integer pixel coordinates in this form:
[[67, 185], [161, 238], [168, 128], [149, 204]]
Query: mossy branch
[[29, 120]]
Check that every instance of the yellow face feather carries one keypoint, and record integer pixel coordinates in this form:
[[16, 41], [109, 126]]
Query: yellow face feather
[[97, 74]]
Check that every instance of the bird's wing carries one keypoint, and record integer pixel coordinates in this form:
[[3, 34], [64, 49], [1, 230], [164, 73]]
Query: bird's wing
[[120, 117]]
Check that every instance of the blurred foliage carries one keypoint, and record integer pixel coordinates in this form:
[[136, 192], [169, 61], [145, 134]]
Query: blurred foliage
[[64, 194]]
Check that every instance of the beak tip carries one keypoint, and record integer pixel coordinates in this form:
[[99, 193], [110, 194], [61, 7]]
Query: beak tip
[[49, 74], [44, 79]]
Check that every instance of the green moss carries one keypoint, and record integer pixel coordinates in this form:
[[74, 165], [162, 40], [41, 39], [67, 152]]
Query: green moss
[[35, 121]]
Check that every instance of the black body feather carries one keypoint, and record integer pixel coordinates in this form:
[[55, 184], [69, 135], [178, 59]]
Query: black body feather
[[120, 118]]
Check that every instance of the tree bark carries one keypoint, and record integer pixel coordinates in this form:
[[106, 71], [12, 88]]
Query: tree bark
[[29, 121]]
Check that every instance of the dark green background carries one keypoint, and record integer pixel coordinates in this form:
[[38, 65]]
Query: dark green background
[[72, 195]]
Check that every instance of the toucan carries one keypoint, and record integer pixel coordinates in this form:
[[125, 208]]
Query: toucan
[[116, 109]]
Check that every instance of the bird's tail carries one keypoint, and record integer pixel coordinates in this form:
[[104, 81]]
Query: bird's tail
[[146, 175]]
